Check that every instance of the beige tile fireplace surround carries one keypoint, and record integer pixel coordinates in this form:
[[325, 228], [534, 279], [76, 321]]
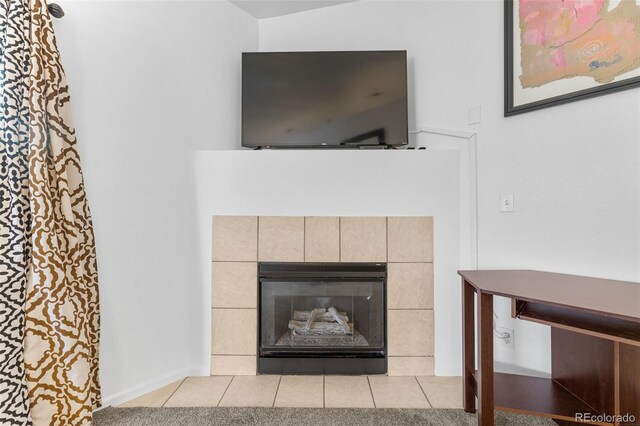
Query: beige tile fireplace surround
[[240, 242]]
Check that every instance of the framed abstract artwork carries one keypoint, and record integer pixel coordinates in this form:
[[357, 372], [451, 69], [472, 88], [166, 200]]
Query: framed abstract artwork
[[559, 51]]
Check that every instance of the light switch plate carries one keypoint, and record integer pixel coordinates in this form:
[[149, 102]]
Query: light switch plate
[[474, 115]]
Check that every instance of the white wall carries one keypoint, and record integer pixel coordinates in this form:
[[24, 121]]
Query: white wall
[[574, 170], [150, 81]]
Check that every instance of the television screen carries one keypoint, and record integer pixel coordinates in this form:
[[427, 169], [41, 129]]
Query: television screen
[[324, 99]]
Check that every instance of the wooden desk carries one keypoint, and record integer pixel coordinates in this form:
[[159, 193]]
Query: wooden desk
[[595, 345]]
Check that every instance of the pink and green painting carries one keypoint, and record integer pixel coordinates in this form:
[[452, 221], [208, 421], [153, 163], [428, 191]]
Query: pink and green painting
[[564, 47], [569, 38]]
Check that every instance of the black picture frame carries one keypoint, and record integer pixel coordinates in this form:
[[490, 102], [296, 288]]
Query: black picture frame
[[510, 109]]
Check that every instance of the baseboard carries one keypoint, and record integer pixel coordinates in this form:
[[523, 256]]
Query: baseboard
[[151, 385], [502, 367]]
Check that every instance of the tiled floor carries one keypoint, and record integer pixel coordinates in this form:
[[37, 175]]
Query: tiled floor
[[307, 391]]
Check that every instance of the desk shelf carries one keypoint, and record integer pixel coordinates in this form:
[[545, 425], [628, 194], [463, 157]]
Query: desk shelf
[[611, 328], [537, 396]]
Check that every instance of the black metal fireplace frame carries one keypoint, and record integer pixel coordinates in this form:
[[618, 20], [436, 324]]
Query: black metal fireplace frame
[[354, 360]]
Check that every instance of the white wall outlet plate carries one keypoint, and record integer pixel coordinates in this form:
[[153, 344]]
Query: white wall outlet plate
[[506, 202], [508, 342]]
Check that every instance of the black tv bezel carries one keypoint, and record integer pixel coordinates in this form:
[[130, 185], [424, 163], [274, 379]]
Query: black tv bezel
[[337, 144]]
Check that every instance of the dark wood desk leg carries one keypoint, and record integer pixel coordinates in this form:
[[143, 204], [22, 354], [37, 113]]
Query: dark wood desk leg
[[468, 348], [485, 359]]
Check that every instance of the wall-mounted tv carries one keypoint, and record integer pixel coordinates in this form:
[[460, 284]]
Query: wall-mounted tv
[[324, 99]]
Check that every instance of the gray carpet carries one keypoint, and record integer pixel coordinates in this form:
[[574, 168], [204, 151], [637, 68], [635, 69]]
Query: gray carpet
[[301, 416]]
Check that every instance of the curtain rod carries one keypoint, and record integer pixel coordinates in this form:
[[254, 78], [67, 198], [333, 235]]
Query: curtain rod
[[55, 10]]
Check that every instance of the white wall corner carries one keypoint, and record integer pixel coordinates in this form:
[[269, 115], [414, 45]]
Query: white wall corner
[[148, 386]]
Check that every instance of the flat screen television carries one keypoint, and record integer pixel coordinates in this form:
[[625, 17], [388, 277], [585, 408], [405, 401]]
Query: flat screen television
[[324, 99]]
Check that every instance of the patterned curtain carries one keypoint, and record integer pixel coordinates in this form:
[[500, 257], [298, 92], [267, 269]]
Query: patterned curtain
[[49, 310]]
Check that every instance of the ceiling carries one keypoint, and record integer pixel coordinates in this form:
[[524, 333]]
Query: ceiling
[[270, 8]]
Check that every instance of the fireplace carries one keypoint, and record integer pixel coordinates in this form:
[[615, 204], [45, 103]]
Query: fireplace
[[398, 277], [322, 318]]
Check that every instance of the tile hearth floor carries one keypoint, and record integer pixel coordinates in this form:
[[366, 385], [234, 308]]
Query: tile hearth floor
[[307, 391]]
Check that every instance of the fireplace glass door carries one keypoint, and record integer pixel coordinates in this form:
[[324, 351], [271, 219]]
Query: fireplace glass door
[[322, 314]]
